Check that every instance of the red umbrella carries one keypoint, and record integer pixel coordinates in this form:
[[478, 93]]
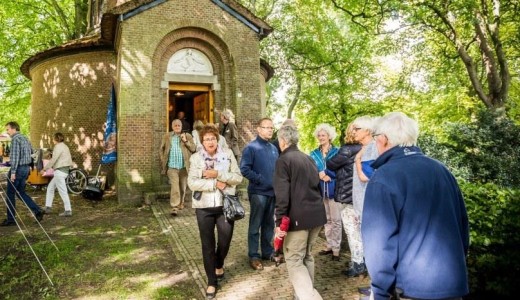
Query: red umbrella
[[278, 241]]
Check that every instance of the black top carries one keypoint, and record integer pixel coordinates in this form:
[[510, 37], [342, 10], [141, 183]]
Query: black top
[[296, 186], [343, 164]]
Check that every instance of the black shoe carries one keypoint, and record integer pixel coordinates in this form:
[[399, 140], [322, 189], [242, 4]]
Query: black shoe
[[355, 270], [8, 223], [39, 215], [325, 252], [220, 276], [336, 258]]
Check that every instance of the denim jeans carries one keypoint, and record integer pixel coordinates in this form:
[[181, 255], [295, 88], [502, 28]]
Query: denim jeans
[[261, 226], [17, 188]]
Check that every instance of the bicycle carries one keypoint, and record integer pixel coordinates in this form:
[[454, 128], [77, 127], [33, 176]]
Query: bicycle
[[76, 181]]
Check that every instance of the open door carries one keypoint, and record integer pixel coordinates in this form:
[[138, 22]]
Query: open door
[[195, 101]]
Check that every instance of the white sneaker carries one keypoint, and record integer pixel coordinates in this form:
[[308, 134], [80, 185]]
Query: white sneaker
[[66, 213]]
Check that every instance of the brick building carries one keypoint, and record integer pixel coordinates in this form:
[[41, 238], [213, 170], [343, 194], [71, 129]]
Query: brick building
[[162, 56]]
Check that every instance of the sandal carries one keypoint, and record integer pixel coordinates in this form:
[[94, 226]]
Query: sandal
[[220, 276], [211, 295]]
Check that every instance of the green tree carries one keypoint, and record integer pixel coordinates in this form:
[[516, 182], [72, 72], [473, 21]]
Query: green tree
[[28, 27], [480, 34]]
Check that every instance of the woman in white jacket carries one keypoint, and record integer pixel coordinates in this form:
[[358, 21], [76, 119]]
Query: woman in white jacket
[[213, 168]]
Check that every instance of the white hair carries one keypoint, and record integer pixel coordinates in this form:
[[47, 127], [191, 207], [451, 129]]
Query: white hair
[[365, 122], [228, 114], [331, 131], [399, 129]]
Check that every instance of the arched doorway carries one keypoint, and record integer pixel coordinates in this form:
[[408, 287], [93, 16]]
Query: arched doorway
[[191, 83], [195, 100]]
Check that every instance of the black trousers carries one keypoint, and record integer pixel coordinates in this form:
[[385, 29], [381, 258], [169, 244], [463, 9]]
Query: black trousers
[[214, 253]]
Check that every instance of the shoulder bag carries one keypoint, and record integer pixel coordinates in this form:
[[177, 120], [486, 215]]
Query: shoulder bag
[[233, 209]]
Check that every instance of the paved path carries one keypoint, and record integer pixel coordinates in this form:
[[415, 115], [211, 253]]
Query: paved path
[[241, 281]]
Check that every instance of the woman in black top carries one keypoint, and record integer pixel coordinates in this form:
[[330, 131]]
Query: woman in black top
[[343, 165]]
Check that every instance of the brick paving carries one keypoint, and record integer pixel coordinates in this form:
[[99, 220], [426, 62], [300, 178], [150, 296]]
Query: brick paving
[[241, 281]]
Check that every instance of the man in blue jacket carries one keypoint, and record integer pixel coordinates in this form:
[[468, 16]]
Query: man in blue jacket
[[257, 165], [415, 225]]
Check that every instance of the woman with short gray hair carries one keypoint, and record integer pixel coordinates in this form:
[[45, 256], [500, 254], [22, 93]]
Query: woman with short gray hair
[[297, 194], [325, 134], [363, 131]]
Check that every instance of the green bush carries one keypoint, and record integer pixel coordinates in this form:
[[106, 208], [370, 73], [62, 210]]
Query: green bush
[[486, 150], [489, 147], [493, 260]]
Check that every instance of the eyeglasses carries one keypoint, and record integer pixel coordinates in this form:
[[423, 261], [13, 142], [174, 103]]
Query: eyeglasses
[[268, 128], [378, 134], [209, 139], [357, 128]]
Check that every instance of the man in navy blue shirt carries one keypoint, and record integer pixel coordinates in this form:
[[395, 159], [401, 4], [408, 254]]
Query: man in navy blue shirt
[[20, 159], [257, 165], [415, 225]]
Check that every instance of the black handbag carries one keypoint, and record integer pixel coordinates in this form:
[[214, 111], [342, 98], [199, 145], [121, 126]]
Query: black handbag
[[233, 209]]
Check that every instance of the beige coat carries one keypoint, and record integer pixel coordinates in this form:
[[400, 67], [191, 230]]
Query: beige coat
[[60, 157], [187, 148], [211, 197]]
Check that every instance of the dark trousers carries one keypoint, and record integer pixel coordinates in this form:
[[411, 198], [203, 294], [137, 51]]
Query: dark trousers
[[261, 226], [17, 188], [214, 253]]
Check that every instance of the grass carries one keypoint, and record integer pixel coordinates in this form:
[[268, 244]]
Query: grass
[[104, 252]]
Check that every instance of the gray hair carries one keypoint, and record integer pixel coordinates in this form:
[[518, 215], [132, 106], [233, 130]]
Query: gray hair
[[176, 121], [365, 122], [198, 124], [331, 131], [399, 129], [228, 114], [289, 122], [289, 134]]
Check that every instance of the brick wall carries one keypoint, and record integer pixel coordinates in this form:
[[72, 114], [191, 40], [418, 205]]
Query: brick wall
[[71, 92], [146, 42], [70, 95]]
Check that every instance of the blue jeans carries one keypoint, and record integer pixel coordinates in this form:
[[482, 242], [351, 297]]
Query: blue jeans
[[261, 219], [17, 188]]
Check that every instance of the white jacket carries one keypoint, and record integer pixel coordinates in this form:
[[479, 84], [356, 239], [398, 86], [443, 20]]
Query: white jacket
[[211, 197]]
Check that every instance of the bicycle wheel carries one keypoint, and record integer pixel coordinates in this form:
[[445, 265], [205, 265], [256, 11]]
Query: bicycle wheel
[[76, 181]]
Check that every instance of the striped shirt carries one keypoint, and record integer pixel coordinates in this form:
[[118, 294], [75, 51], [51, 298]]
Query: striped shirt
[[21, 151], [175, 160]]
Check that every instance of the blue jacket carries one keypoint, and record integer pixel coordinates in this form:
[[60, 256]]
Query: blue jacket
[[327, 188], [415, 227], [257, 165]]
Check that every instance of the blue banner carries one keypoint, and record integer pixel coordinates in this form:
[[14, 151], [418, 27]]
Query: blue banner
[[110, 139]]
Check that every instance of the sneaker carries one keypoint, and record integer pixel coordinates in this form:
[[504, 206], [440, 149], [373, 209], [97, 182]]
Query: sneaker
[[66, 213], [364, 290], [355, 270], [47, 210]]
